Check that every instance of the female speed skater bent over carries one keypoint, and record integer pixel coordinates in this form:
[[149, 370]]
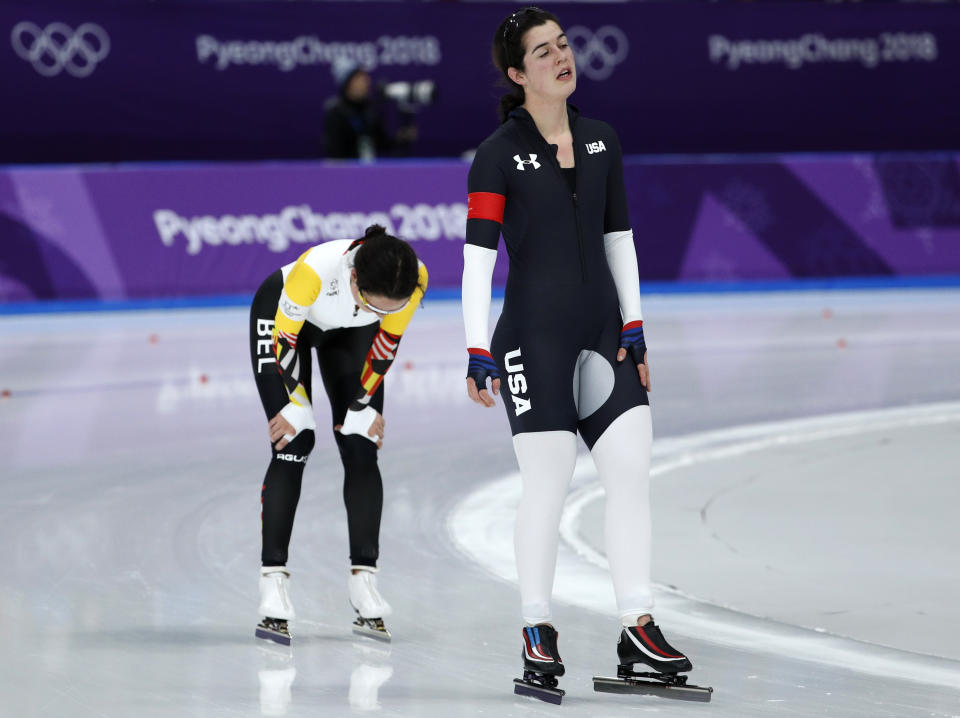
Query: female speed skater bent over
[[350, 301], [568, 351]]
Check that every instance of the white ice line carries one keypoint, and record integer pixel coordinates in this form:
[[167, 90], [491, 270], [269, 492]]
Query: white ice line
[[683, 452], [481, 526]]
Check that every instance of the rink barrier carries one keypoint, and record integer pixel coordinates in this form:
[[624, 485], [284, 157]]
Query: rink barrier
[[184, 232], [62, 306]]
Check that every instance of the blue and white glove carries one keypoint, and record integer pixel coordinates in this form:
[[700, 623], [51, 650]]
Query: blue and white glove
[[631, 339], [481, 367]]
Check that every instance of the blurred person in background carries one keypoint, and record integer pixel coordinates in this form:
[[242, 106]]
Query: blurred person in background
[[354, 124]]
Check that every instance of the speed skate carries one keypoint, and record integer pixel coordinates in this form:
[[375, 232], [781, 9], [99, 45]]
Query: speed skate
[[370, 606], [273, 629], [665, 685], [540, 686], [275, 605], [542, 665], [645, 647], [372, 627]]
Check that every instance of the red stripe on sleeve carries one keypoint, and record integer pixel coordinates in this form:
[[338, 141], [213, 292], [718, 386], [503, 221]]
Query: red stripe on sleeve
[[632, 325], [485, 205]]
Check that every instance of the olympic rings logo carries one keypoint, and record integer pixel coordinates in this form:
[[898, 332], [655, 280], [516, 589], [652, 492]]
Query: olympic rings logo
[[57, 47], [598, 53]]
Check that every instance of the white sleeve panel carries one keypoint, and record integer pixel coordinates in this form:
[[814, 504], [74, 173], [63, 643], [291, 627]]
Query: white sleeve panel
[[478, 265], [622, 258]]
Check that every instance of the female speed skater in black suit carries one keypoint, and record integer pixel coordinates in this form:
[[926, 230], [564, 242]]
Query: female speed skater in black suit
[[568, 352]]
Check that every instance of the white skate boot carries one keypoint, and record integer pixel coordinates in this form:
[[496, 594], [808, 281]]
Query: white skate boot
[[366, 600], [275, 604]]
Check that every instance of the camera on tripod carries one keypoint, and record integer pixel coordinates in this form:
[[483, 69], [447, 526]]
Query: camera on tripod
[[410, 96]]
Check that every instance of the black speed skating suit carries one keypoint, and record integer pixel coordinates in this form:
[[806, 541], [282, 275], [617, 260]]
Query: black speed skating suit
[[557, 338]]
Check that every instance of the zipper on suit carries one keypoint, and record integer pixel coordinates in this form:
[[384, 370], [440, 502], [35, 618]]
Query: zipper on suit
[[574, 198], [531, 127], [576, 206]]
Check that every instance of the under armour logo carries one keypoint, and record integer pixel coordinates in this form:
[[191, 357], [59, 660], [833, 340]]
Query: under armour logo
[[531, 161]]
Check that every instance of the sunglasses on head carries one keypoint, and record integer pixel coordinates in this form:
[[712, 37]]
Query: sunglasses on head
[[513, 22]]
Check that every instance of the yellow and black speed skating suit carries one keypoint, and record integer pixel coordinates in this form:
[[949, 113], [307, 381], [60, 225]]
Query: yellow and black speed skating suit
[[308, 305]]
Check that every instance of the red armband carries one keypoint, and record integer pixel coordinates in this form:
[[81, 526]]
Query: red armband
[[485, 205]]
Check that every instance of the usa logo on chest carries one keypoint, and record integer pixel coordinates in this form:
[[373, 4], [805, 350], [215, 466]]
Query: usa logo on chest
[[595, 147]]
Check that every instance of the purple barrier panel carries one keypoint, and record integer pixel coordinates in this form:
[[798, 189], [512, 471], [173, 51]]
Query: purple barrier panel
[[97, 81], [133, 232], [804, 217], [222, 229]]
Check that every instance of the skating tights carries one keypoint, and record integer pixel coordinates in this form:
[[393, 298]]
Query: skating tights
[[546, 460]]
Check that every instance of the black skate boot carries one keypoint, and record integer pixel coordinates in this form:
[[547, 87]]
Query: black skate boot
[[541, 665], [646, 645]]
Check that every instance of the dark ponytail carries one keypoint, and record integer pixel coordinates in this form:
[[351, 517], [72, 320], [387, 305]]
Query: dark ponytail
[[508, 52], [385, 265]]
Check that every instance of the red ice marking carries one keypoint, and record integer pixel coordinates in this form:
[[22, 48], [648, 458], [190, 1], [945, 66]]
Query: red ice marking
[[827, 313], [5, 394], [153, 339], [408, 365], [841, 343], [204, 378]]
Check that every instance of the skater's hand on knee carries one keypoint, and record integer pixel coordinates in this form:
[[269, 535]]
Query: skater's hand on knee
[[366, 422], [479, 369], [280, 428], [377, 428]]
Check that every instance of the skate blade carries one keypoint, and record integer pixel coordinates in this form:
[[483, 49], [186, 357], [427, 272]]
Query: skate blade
[[375, 633], [268, 634], [550, 695], [652, 688]]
